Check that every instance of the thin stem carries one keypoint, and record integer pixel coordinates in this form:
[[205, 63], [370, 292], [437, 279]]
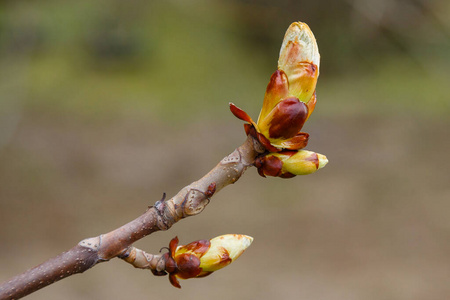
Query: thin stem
[[142, 260], [190, 201], [76, 260]]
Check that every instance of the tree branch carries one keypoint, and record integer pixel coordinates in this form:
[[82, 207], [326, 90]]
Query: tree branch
[[289, 100], [190, 201]]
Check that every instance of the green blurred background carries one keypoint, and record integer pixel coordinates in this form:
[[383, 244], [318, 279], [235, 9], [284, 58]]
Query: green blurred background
[[105, 105]]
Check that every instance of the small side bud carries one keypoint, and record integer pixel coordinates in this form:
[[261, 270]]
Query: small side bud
[[287, 164], [201, 258]]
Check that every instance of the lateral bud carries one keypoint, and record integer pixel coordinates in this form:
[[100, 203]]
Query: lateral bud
[[287, 164], [201, 258]]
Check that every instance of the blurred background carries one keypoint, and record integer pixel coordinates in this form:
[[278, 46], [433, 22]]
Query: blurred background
[[105, 105]]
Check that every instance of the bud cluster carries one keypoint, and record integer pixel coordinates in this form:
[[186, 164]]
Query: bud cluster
[[289, 100]]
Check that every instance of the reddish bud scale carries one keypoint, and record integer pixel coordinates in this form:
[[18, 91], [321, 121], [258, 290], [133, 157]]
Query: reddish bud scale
[[188, 266], [198, 247], [203, 257], [314, 158], [287, 164], [289, 100], [266, 143], [287, 118], [278, 127], [311, 104], [297, 142], [240, 114], [171, 266], [185, 263], [269, 165], [277, 89], [251, 130]]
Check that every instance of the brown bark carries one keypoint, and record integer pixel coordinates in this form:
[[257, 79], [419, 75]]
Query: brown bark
[[76, 260], [191, 200]]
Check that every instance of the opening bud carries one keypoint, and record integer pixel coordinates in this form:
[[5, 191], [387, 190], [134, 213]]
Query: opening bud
[[201, 258], [300, 60], [287, 164]]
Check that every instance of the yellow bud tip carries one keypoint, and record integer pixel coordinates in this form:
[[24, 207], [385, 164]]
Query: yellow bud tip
[[301, 34], [235, 244], [323, 160], [224, 249]]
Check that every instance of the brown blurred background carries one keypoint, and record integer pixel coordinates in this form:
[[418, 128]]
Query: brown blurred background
[[105, 105]]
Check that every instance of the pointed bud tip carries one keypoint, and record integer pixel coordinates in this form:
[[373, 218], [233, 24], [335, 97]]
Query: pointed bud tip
[[236, 243], [301, 34], [246, 240], [323, 160], [224, 250]]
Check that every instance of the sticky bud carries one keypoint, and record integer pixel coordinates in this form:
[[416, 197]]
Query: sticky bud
[[201, 258], [224, 249], [290, 96], [287, 164], [300, 60]]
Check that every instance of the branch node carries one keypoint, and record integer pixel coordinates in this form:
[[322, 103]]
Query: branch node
[[163, 199], [160, 208], [194, 202], [234, 157], [160, 269], [258, 146], [92, 243]]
